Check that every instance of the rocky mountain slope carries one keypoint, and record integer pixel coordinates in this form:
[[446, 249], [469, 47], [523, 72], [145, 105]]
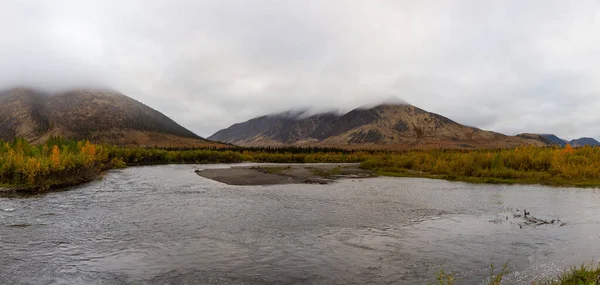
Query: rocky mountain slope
[[101, 116], [386, 125]]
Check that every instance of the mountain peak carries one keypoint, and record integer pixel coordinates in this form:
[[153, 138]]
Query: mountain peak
[[584, 141], [554, 139], [389, 101], [393, 123]]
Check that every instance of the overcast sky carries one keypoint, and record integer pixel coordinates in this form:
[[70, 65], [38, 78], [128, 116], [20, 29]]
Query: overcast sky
[[508, 66]]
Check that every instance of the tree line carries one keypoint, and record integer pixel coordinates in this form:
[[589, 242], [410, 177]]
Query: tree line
[[62, 162], [551, 165]]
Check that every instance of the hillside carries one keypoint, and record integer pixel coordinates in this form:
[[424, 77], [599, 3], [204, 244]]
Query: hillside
[[100, 116], [583, 142], [383, 126], [555, 140], [574, 143]]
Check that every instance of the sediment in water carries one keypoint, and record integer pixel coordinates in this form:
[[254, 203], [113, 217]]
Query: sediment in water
[[285, 174]]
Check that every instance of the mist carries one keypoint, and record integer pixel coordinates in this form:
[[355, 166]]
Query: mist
[[506, 66]]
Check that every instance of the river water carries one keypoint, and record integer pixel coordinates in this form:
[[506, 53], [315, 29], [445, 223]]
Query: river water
[[167, 225]]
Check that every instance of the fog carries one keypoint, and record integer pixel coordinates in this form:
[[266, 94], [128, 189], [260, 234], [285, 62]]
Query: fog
[[507, 66]]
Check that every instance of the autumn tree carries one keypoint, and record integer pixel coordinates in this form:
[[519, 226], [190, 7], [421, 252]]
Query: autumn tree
[[55, 157]]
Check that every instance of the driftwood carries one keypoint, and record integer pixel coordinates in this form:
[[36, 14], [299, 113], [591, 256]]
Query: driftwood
[[535, 221], [525, 218]]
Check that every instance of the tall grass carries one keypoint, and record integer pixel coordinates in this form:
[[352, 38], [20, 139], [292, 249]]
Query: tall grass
[[443, 278], [551, 166], [581, 275], [141, 156], [61, 162], [58, 162]]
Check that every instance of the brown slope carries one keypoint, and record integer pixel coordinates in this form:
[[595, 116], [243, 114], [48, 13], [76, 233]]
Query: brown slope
[[22, 114], [101, 116], [383, 126]]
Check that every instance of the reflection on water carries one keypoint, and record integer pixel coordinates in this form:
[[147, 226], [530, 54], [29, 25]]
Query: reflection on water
[[166, 225]]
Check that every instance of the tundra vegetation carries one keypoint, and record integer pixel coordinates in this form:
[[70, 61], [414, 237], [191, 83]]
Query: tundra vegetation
[[579, 275], [62, 162], [566, 166], [57, 163]]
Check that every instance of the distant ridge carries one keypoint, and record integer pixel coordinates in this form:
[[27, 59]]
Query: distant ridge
[[574, 143], [554, 139], [583, 142], [389, 125], [97, 115]]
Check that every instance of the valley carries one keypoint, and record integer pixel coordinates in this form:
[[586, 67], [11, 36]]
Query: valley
[[271, 142], [77, 139]]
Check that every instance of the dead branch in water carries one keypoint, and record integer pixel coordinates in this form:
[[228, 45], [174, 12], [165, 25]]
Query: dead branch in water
[[535, 221]]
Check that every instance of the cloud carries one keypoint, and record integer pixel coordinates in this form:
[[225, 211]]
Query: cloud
[[509, 66]]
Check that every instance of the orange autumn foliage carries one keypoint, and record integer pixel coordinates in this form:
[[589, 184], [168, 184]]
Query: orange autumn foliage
[[55, 157], [27, 166]]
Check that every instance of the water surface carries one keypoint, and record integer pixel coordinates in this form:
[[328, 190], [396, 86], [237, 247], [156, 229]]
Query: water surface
[[167, 225]]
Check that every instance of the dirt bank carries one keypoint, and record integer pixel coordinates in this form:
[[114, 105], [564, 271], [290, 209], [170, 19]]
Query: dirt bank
[[285, 174]]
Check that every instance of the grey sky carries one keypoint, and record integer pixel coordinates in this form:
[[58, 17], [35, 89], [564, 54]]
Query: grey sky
[[507, 66]]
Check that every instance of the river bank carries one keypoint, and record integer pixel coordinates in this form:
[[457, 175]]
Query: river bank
[[61, 163], [286, 174]]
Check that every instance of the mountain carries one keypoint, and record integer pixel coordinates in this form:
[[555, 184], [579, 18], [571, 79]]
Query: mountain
[[583, 142], [397, 125], [100, 116], [555, 140]]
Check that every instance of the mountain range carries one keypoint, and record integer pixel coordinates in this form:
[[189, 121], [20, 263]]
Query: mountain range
[[583, 142], [111, 117], [574, 143], [100, 116], [390, 125]]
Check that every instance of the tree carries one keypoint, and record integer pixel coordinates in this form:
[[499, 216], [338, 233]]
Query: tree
[[55, 157], [568, 149]]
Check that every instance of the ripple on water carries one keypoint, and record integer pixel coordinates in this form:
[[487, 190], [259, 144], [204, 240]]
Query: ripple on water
[[164, 224]]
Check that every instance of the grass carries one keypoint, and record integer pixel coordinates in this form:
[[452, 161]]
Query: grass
[[541, 180], [327, 173], [275, 169], [62, 162], [581, 275], [444, 278], [528, 165], [58, 163]]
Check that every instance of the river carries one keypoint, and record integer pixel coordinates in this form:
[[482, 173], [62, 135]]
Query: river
[[167, 225]]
